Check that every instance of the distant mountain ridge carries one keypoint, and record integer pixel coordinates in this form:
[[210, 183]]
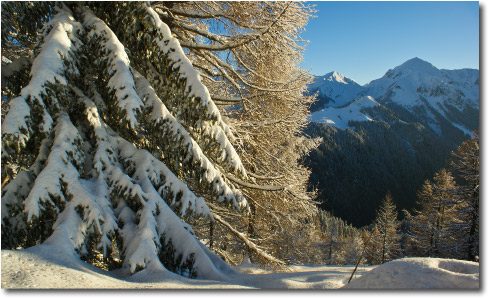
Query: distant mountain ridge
[[389, 135], [431, 95], [334, 90]]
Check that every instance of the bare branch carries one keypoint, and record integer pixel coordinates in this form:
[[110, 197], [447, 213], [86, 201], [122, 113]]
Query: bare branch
[[255, 186], [204, 33], [241, 39], [265, 178], [226, 99], [246, 241]]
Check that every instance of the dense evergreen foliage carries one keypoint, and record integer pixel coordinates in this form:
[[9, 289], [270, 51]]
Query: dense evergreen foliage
[[466, 167], [433, 223], [354, 168], [342, 243]]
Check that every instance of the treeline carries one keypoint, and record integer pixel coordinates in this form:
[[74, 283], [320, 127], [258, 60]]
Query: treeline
[[444, 223]]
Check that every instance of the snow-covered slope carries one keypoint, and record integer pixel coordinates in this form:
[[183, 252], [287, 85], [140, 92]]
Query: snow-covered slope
[[41, 267], [47, 267], [429, 94], [417, 82], [352, 111], [433, 95], [400, 84], [336, 87]]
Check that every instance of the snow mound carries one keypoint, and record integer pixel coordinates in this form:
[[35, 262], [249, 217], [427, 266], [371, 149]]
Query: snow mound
[[48, 267], [426, 273]]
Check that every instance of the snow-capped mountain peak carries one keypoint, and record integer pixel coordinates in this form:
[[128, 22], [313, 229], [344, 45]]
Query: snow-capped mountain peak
[[416, 64], [336, 88], [415, 71], [339, 78], [417, 81], [430, 94]]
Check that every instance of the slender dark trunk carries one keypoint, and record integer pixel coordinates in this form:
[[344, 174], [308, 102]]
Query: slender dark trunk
[[251, 231], [330, 252], [384, 248], [210, 245], [473, 231]]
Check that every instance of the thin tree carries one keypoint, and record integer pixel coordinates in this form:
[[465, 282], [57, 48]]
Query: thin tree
[[342, 242], [386, 221]]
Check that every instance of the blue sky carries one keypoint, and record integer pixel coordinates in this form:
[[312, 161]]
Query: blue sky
[[362, 40]]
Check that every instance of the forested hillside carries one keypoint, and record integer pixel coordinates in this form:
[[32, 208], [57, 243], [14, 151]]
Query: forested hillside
[[354, 169], [393, 141]]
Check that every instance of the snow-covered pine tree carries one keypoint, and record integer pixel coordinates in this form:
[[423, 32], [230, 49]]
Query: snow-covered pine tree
[[431, 225], [115, 144], [465, 164]]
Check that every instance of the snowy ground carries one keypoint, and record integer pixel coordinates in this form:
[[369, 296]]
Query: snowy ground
[[42, 267], [425, 273]]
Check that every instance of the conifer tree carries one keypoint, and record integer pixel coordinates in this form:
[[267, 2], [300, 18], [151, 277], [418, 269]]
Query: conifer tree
[[431, 225], [465, 164], [387, 225], [342, 242], [114, 145], [20, 25], [372, 249]]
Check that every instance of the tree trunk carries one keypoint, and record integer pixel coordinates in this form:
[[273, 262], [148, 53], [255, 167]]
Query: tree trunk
[[330, 252], [384, 247], [210, 245], [251, 232]]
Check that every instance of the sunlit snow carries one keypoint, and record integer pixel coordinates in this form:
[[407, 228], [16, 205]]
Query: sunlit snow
[[416, 85], [340, 117], [45, 267]]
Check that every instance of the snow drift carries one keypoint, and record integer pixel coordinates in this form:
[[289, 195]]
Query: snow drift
[[44, 267], [425, 273]]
